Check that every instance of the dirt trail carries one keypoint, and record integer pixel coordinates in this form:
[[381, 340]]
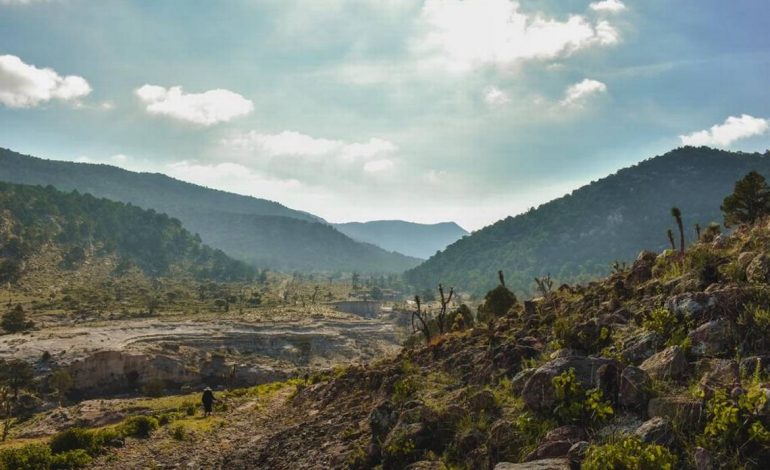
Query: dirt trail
[[240, 427]]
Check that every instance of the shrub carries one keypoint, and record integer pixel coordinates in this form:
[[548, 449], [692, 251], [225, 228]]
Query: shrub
[[629, 454], [72, 439], [29, 457], [15, 320], [735, 429], [70, 460], [139, 426], [670, 327], [754, 324], [588, 337], [576, 405]]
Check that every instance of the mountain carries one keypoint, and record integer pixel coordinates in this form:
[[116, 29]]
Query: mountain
[[409, 238], [295, 244], [578, 236], [75, 228], [265, 232]]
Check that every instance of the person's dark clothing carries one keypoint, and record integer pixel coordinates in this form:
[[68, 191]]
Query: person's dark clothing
[[208, 400]]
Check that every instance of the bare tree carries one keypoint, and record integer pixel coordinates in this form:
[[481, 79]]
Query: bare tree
[[444, 305], [423, 319]]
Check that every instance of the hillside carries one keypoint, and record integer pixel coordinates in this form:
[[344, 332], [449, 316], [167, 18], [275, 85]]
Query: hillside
[[295, 245], [662, 365], [265, 240], [77, 228], [409, 238], [578, 236]]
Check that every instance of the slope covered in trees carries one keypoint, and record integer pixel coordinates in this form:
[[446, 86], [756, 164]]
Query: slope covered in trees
[[578, 236], [409, 238], [269, 241], [34, 218]]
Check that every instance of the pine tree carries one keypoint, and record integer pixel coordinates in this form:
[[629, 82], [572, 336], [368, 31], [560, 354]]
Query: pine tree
[[749, 201]]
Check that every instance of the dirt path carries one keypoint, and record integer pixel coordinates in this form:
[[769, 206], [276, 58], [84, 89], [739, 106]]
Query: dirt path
[[244, 424]]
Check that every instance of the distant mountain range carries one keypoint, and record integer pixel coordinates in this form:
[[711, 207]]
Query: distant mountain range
[[262, 232], [418, 240], [578, 236]]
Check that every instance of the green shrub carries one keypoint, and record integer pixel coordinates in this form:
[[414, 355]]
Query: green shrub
[[70, 460], [669, 326], [588, 337], [139, 426], [72, 439], [576, 405], [29, 457], [629, 454], [178, 432], [735, 428], [754, 325]]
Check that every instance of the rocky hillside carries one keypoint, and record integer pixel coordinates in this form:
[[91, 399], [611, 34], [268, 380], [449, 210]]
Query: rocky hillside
[[248, 228], [577, 237], [409, 238], [664, 364], [661, 365], [70, 229]]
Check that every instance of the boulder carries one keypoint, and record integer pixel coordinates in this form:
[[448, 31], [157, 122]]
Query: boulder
[[546, 464], [382, 418], [502, 435], [635, 385], [670, 363], [577, 453], [718, 374], [749, 365], [714, 338], [539, 394], [694, 305], [641, 347], [641, 270], [745, 258], [758, 270], [557, 443], [520, 380], [657, 430], [482, 402], [702, 459], [686, 410]]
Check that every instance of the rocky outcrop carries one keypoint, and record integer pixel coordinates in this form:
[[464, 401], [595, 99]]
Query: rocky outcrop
[[713, 338], [557, 443], [686, 410], [591, 372], [546, 464], [635, 387], [670, 363], [639, 348]]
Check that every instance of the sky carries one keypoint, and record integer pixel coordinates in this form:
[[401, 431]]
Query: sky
[[420, 110]]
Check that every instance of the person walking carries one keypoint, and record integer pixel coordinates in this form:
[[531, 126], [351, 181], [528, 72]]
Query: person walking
[[208, 401]]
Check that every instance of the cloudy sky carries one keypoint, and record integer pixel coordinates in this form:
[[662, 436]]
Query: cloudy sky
[[424, 110]]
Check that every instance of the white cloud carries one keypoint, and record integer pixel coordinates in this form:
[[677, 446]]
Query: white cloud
[[24, 86], [292, 143], [378, 166], [233, 176], [723, 135], [612, 6], [577, 94], [207, 108], [462, 35], [494, 96]]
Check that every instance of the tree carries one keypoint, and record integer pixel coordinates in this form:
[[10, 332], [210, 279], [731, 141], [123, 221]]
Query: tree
[[15, 320], [677, 215], [444, 304], [697, 231], [61, 382], [671, 239], [749, 201], [498, 301], [14, 376], [423, 320]]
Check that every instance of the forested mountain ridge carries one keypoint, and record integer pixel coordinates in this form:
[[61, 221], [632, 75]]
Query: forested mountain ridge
[[578, 236], [263, 233], [295, 245], [35, 218], [409, 238]]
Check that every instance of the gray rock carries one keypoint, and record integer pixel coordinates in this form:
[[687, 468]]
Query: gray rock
[[382, 418], [547, 464], [670, 363], [635, 385], [714, 338], [557, 443], [520, 379], [718, 374], [702, 459], [749, 364], [482, 402], [657, 430], [641, 347], [539, 394], [745, 258], [695, 305], [577, 452], [758, 270], [686, 410]]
